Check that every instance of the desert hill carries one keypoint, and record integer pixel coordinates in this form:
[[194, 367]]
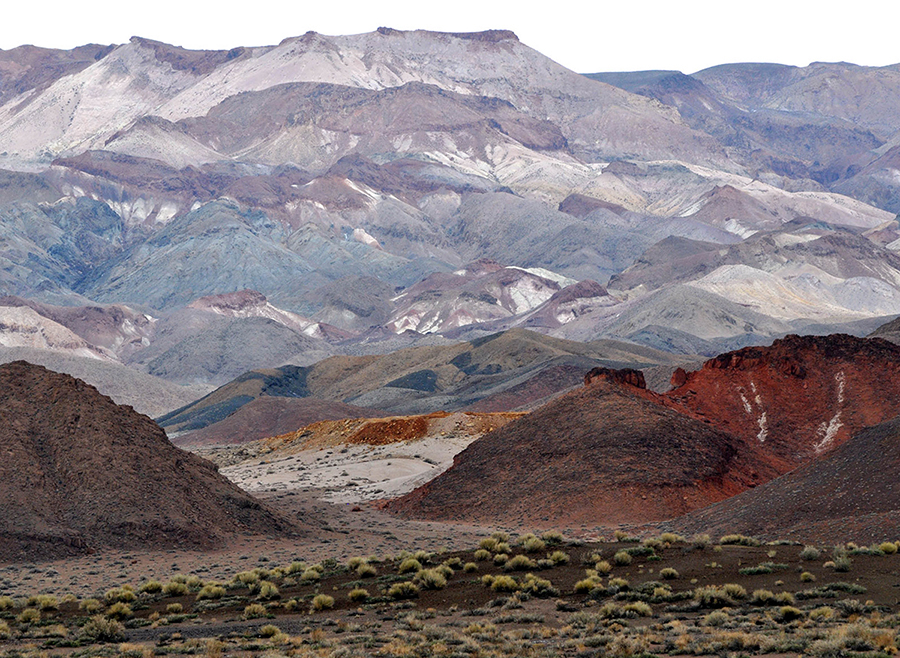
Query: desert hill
[[798, 397], [426, 378], [848, 492], [603, 454], [79, 472], [615, 452]]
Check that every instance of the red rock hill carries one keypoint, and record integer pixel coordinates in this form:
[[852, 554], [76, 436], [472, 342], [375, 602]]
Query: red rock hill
[[799, 397], [606, 453]]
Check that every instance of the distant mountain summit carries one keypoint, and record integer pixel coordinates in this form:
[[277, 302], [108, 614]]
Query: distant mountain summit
[[78, 472]]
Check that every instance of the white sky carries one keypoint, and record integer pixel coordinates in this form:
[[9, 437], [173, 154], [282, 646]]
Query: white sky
[[587, 36]]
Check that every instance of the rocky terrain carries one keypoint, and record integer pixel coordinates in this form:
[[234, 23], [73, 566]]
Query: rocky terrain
[[603, 454], [516, 369], [80, 473], [356, 185], [847, 491], [615, 452]]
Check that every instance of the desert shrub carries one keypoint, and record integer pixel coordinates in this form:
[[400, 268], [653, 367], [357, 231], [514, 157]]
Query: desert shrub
[[408, 565], [47, 602], [358, 595], [788, 613], [119, 610], [602, 567], [671, 538], [470, 567], [735, 591], [194, 582], [90, 606], [267, 591], [354, 562], [668, 573], [487, 579], [150, 587], [586, 585], [810, 553], [444, 570], [500, 536], [654, 544], [716, 618], [175, 588], [453, 563], [618, 584], [268, 630], [785, 598], [245, 578], [822, 613], [4, 630], [255, 611], [842, 564], [500, 559], [622, 558], [299, 567], [715, 596], [519, 563], [403, 590], [482, 555], [762, 597], [539, 587], [740, 540], [700, 542], [29, 616], [638, 609], [532, 544], [123, 594], [322, 602], [488, 543], [102, 629], [174, 609], [210, 591], [558, 558], [831, 590], [366, 570], [7, 603], [310, 575], [807, 577], [504, 584], [611, 611], [850, 607], [430, 579], [552, 537], [888, 547], [622, 536]]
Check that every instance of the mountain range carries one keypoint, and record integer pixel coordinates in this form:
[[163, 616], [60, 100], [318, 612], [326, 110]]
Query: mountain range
[[405, 185]]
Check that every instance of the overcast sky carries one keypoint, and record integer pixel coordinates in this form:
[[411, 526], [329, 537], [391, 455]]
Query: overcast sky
[[587, 36]]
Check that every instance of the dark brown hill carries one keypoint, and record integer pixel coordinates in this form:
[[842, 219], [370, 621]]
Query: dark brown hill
[[78, 472], [798, 397], [606, 453], [849, 494]]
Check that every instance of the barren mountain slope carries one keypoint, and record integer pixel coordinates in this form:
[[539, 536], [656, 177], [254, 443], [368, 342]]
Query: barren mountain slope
[[422, 379], [799, 397], [603, 454], [146, 394], [79, 472], [850, 492]]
